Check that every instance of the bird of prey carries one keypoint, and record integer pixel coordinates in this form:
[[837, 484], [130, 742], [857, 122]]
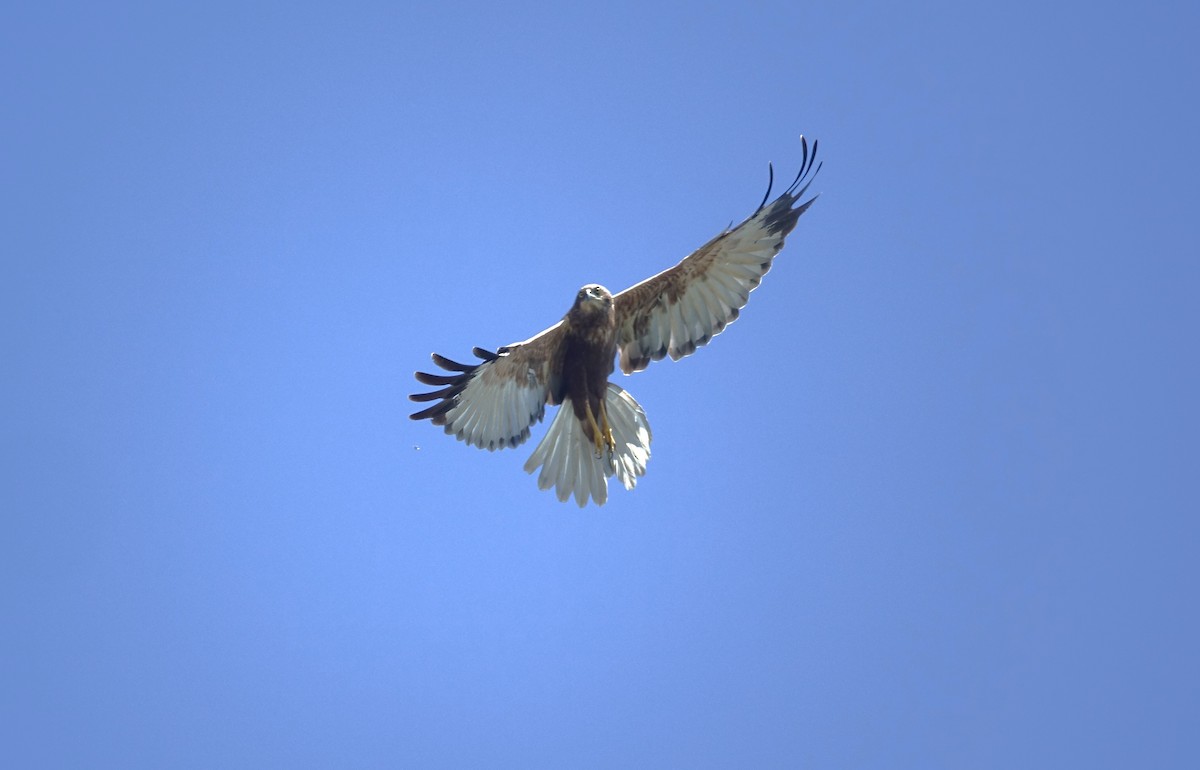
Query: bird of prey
[[600, 431]]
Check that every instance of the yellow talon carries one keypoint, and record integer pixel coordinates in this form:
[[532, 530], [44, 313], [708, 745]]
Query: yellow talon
[[602, 435], [596, 432], [608, 434]]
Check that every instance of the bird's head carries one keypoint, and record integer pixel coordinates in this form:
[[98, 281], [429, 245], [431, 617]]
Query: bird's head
[[594, 298]]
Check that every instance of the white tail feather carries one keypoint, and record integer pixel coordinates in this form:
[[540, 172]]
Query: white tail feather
[[568, 457]]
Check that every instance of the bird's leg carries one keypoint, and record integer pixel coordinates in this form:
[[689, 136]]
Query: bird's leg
[[609, 441], [597, 434]]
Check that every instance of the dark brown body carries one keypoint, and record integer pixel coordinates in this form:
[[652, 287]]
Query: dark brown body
[[590, 346]]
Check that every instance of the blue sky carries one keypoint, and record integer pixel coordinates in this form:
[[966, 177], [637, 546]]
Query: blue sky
[[931, 501]]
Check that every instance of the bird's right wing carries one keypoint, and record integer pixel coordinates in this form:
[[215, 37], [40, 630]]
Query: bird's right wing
[[493, 404]]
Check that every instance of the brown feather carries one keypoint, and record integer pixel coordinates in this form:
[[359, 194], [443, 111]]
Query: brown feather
[[589, 349]]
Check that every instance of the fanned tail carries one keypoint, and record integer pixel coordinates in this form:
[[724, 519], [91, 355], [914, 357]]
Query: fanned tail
[[568, 457]]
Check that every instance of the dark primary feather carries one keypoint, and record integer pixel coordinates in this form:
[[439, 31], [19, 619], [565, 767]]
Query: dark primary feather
[[456, 382]]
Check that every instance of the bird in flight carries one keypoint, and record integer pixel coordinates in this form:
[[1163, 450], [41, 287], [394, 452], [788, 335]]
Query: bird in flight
[[600, 431]]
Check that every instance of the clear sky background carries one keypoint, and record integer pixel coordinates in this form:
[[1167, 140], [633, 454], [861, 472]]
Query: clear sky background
[[931, 502]]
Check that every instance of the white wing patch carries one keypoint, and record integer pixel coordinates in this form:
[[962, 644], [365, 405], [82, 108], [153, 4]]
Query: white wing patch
[[493, 412], [490, 405], [709, 303]]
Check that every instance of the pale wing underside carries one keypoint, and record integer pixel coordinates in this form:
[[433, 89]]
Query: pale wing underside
[[684, 307], [492, 404]]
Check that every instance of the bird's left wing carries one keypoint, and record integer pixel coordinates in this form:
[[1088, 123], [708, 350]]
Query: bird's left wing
[[492, 404], [684, 307]]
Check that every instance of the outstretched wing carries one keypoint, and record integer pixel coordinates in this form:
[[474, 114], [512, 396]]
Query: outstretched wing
[[492, 404], [682, 308]]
